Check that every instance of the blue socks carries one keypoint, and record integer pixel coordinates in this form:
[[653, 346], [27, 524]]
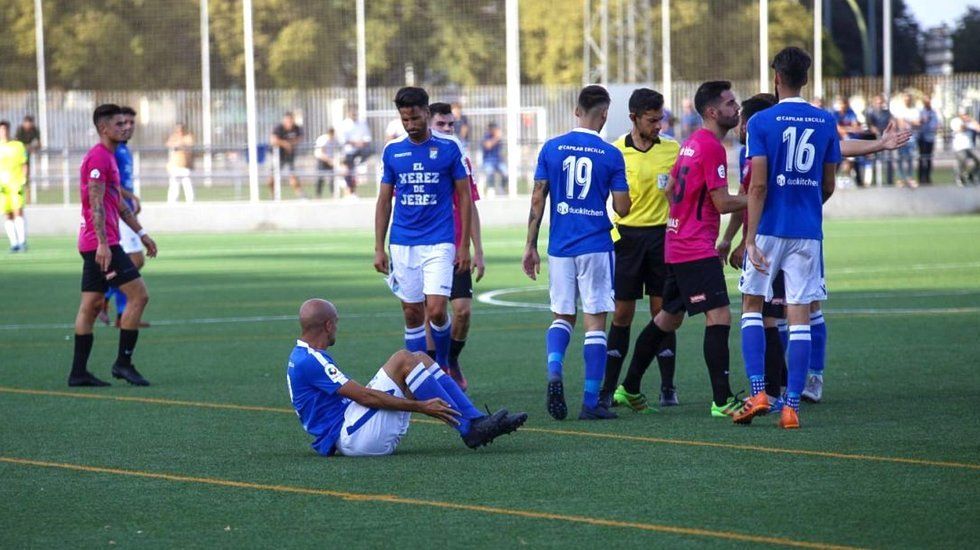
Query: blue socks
[[459, 399], [594, 353], [557, 339], [440, 337], [415, 338], [818, 338], [754, 350], [119, 296], [424, 386], [799, 362]]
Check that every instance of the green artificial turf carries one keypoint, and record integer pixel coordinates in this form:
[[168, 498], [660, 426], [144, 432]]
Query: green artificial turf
[[901, 383]]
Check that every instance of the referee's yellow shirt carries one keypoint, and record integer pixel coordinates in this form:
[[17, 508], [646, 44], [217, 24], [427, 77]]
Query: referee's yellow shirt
[[646, 173], [13, 157]]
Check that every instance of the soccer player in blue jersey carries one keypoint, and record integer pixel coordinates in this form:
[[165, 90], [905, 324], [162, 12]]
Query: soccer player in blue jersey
[[579, 170], [794, 151], [422, 172], [128, 238], [349, 419]]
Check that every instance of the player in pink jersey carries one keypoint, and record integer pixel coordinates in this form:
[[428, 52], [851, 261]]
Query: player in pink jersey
[[443, 122], [698, 193], [105, 263]]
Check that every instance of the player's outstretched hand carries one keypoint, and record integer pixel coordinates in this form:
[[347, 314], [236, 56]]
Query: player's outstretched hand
[[478, 265], [757, 258], [150, 244], [737, 257], [893, 138], [381, 262], [463, 262], [531, 263], [440, 410]]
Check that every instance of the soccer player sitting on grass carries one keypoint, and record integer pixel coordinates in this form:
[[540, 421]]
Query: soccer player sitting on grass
[[347, 418]]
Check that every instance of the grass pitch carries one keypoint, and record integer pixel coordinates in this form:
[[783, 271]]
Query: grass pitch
[[212, 455]]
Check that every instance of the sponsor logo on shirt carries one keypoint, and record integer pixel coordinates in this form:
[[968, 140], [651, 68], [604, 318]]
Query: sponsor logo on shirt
[[686, 151], [400, 155], [562, 208], [781, 181]]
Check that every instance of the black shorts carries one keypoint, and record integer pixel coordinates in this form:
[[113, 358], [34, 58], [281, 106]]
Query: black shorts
[[695, 287], [121, 271], [462, 285], [640, 262], [777, 306]]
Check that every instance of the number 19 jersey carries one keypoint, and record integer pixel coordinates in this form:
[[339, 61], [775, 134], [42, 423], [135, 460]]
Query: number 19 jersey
[[797, 140], [581, 170]]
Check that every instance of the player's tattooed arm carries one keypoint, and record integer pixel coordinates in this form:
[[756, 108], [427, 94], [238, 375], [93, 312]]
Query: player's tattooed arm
[[538, 197], [531, 262], [96, 194]]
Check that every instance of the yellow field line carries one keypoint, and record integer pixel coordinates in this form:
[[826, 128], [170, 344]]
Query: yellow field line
[[573, 433], [395, 499]]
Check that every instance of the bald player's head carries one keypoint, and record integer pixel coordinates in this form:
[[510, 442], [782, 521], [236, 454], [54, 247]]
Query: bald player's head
[[313, 317]]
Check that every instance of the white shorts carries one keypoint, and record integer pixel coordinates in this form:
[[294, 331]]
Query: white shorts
[[128, 239], [421, 270], [800, 260], [589, 277], [373, 432]]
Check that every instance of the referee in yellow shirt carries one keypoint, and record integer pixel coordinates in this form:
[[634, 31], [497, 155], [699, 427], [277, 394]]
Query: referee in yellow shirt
[[640, 266], [13, 179]]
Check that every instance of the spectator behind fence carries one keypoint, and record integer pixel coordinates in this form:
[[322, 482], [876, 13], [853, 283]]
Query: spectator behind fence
[[493, 162], [462, 124], [909, 118], [667, 123], [926, 138], [878, 117], [355, 134], [180, 164], [30, 136], [848, 127], [690, 119], [325, 151], [967, 162], [286, 136]]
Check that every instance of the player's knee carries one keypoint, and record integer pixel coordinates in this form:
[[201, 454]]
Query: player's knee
[[461, 316]]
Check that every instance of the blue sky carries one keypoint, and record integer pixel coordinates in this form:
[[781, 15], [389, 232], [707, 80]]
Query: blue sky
[[932, 13]]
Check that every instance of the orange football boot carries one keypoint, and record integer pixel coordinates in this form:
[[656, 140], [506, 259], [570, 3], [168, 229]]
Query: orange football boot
[[756, 405], [788, 419]]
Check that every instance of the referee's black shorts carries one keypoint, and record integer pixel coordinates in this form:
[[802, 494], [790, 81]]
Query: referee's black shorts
[[121, 270], [640, 266]]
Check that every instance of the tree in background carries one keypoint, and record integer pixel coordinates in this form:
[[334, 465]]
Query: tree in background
[[966, 42], [906, 38]]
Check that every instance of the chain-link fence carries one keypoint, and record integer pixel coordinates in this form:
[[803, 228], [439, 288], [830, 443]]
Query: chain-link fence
[[335, 66]]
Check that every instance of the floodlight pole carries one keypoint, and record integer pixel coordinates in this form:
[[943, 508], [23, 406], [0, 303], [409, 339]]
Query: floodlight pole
[[513, 96], [361, 61], [250, 110], [665, 52], [42, 92], [764, 46], [206, 129], [818, 49], [886, 23]]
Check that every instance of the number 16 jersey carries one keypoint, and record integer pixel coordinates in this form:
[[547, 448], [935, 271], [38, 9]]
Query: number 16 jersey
[[581, 170], [797, 140], [692, 226]]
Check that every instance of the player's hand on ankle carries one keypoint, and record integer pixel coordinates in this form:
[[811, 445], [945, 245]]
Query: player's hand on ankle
[[440, 410]]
